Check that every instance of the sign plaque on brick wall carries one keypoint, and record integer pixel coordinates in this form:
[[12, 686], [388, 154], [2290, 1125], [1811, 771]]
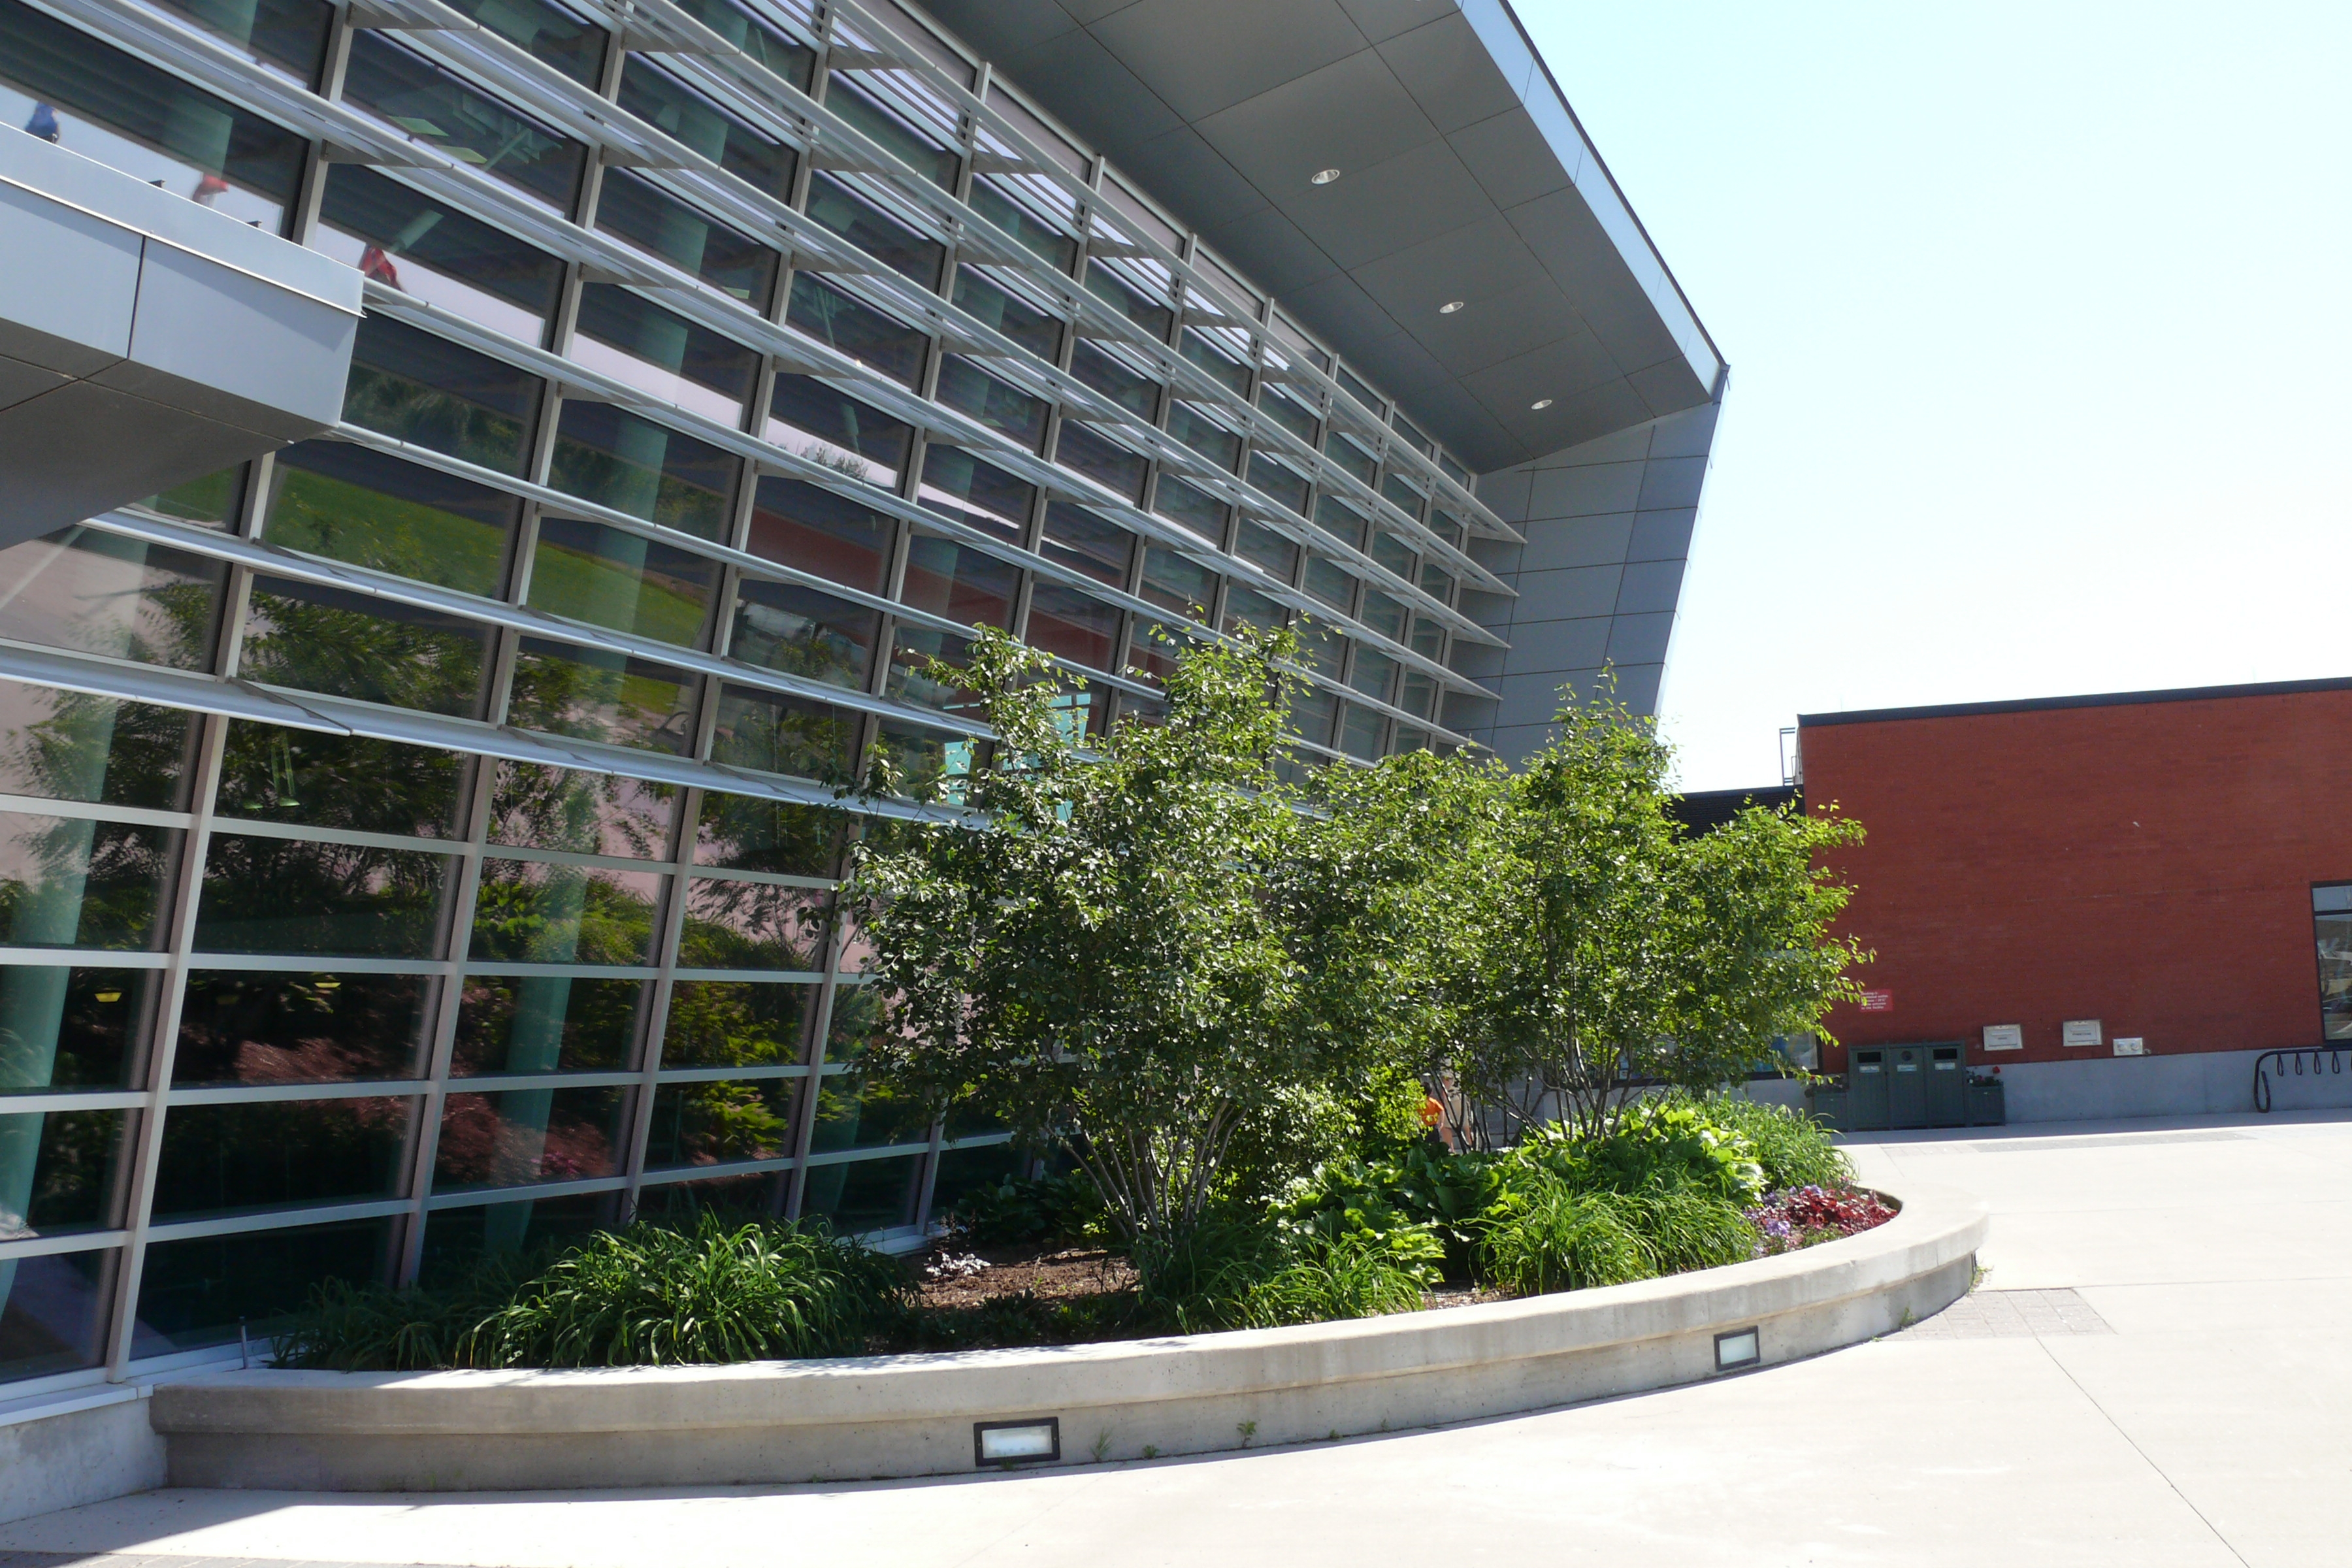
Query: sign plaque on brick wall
[[2082, 1032], [2004, 1037], [2130, 1046], [1878, 1001]]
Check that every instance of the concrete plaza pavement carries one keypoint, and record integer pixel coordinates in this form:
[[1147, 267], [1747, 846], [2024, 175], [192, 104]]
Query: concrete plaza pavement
[[2157, 1371]]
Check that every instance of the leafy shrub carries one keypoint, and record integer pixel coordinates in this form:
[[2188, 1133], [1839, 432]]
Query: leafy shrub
[[644, 1296], [1662, 1144], [1048, 1209], [1546, 1234], [1236, 1274], [1794, 1150]]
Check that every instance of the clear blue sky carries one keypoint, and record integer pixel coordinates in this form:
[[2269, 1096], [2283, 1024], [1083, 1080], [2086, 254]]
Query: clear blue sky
[[2039, 321]]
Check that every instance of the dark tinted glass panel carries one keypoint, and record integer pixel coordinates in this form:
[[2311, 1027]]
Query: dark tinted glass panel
[[1086, 450], [927, 669], [438, 110], [1437, 583], [1193, 508], [532, 912], [536, 807], [916, 147], [1453, 471], [857, 1018], [662, 101], [1079, 540], [1277, 482], [853, 1113], [736, 1024], [1403, 496], [1223, 368], [1259, 545], [926, 761], [1412, 435], [1356, 389], [717, 1123], [210, 501], [59, 1168], [285, 895], [1247, 606], [1320, 646], [1076, 626], [68, 881], [209, 1290], [865, 336], [597, 695], [1392, 553], [750, 832], [91, 99], [760, 43], [1339, 520], [777, 735], [457, 1239], [1033, 329], [1205, 436], [693, 366], [288, 34], [407, 239], [545, 1023], [1177, 582], [342, 781], [1418, 695], [753, 925], [239, 1027], [876, 233], [1328, 582], [527, 1135], [545, 32], [1131, 390], [1446, 528], [1350, 457], [346, 502], [219, 1159], [1383, 615], [861, 1196], [648, 216], [73, 1028], [65, 745], [1312, 713], [964, 1172], [354, 644], [430, 393], [100, 593], [1288, 412], [592, 572], [1428, 638], [1007, 410], [980, 495], [1373, 674], [818, 531], [1360, 734], [812, 420], [958, 581], [1153, 316], [615, 458], [1032, 232], [804, 632], [53, 1314]]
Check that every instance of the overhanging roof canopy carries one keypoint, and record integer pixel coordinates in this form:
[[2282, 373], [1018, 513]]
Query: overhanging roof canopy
[[1463, 175]]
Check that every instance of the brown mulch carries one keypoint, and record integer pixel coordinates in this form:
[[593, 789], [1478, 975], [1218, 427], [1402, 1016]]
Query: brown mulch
[[1048, 1274]]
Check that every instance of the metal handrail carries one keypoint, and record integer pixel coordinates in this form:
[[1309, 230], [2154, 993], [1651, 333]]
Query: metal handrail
[[2335, 1051]]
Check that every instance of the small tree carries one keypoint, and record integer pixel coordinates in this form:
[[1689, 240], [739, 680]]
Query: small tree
[[1140, 945], [1605, 949]]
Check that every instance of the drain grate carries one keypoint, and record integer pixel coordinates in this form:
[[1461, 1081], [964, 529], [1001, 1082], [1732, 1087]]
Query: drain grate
[[2125, 1140], [2010, 1315]]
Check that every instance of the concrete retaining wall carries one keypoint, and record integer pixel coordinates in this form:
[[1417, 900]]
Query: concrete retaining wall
[[906, 1415], [76, 1448], [2186, 1083]]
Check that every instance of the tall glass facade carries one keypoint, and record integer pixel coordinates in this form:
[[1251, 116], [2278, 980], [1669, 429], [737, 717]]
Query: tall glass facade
[[419, 842]]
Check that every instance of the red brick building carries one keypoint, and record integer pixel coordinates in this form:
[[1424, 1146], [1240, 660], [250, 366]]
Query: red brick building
[[2163, 871]]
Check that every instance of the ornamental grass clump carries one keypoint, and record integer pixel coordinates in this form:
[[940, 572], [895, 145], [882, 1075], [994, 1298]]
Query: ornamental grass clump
[[1793, 1149], [1545, 1235]]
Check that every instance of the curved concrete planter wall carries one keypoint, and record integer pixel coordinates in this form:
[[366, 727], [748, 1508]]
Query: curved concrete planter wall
[[911, 1415]]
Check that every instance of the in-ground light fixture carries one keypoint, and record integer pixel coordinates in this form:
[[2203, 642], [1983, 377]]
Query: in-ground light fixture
[[1015, 1442], [1540, 404], [1324, 176], [1450, 306]]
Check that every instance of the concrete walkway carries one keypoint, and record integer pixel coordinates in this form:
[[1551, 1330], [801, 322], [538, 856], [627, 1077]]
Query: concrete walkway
[[2157, 1370]]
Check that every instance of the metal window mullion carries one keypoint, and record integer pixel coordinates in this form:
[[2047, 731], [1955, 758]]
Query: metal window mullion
[[673, 925]]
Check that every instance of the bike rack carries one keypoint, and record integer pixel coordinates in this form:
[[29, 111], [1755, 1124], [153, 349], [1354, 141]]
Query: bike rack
[[2335, 1053]]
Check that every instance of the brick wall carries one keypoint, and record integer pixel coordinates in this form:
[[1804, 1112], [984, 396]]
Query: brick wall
[[2147, 864]]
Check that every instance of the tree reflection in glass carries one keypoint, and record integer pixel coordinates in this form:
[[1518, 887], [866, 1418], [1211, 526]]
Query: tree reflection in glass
[[596, 694], [736, 1024], [278, 774], [92, 592], [352, 644], [534, 1024], [299, 896], [752, 832], [753, 925], [239, 1027]]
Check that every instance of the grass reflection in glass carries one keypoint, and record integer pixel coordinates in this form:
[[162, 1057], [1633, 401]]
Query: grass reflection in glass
[[594, 694], [349, 503]]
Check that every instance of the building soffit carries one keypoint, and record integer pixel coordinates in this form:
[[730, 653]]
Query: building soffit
[[1463, 175]]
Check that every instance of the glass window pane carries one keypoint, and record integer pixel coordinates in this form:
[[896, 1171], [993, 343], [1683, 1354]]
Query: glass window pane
[[546, 1023], [1033, 234], [977, 494], [878, 235], [812, 420], [1393, 554], [605, 576], [526, 1135], [2333, 932], [978, 295], [928, 763], [761, 45], [660, 101], [316, 638], [348, 504], [748, 833], [732, 1198], [59, 1172], [288, 34], [1312, 711], [259, 1026], [597, 695], [615, 458], [456, 1240], [1247, 606], [736, 1024], [853, 1113], [1359, 733], [1262, 546], [207, 1290], [714, 1123], [1223, 368], [1418, 696], [342, 781], [72, 1029], [1177, 582], [1437, 583], [631, 339], [1329, 581], [1383, 615], [959, 583], [753, 925], [1004, 408], [1373, 674], [294, 896], [93, 592], [67, 745], [65, 86], [820, 532], [223, 1159], [536, 807], [1288, 412], [1153, 316], [1428, 638], [1196, 429], [1077, 626], [902, 139], [1350, 457], [874, 340], [1083, 450], [53, 1314], [1407, 499], [431, 106], [859, 1195], [964, 1172], [1194, 508], [70, 882], [1130, 389], [430, 393], [927, 669], [772, 733], [1082, 542], [804, 632], [1320, 648], [405, 239], [530, 911], [1278, 482], [545, 33], [211, 500], [1339, 520]]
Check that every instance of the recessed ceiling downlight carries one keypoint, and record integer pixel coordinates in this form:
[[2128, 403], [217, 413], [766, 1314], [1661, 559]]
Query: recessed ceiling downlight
[[1450, 306], [1325, 176], [1540, 403]]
